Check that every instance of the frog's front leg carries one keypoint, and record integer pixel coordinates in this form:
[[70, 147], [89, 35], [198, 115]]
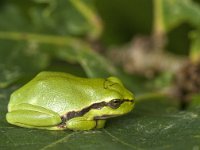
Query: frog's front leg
[[81, 123], [32, 116]]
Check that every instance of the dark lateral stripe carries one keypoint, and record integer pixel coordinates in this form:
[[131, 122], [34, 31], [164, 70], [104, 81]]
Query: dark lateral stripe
[[100, 105]]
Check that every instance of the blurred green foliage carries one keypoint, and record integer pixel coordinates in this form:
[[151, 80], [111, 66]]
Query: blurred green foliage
[[123, 19], [172, 15]]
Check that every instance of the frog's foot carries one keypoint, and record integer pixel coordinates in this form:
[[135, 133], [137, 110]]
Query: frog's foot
[[100, 123], [81, 123], [32, 116]]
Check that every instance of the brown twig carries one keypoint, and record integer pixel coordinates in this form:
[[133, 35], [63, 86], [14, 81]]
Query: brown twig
[[145, 55]]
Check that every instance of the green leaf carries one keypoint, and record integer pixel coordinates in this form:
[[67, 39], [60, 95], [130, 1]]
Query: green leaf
[[195, 47], [47, 16], [78, 18], [154, 124], [171, 13], [19, 59]]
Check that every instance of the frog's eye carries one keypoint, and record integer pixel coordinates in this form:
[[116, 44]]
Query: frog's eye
[[115, 103], [115, 80], [112, 82]]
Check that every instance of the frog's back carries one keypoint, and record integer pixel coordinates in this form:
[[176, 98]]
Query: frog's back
[[53, 90]]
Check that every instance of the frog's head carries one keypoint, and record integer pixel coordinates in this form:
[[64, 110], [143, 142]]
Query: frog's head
[[118, 100]]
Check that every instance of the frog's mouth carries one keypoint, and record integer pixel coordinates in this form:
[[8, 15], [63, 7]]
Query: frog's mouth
[[104, 117]]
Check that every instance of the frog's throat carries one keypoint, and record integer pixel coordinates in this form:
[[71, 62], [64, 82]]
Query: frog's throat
[[73, 114]]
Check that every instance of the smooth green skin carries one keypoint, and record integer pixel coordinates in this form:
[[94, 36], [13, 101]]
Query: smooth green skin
[[42, 101]]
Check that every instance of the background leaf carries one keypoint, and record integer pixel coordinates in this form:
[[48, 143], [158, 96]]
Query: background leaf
[[151, 125], [19, 59], [175, 12], [195, 47]]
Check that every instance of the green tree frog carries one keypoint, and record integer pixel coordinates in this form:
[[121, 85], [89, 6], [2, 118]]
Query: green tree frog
[[58, 101]]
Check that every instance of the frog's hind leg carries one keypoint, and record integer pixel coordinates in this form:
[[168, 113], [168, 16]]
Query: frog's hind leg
[[41, 127], [32, 116]]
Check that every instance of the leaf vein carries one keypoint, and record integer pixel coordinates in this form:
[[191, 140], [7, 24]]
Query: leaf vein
[[64, 139], [121, 141]]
